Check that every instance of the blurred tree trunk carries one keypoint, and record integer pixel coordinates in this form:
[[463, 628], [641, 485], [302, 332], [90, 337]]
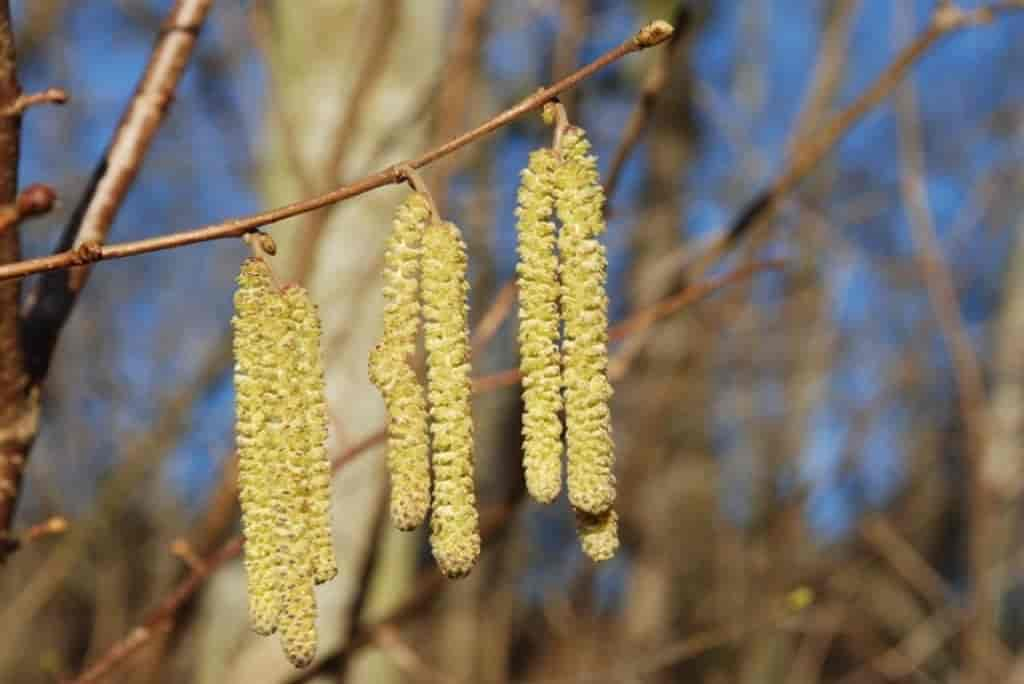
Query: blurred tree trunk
[[317, 50]]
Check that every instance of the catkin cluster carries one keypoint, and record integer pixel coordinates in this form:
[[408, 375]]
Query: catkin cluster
[[426, 262], [566, 287], [283, 472]]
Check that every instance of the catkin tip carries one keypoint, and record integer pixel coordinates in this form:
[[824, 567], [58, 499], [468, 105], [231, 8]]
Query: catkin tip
[[599, 534]]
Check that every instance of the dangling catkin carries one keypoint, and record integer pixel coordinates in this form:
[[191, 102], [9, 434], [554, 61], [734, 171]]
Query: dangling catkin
[[297, 622], [583, 269], [391, 372], [539, 356], [599, 534], [454, 523], [255, 391], [310, 434]]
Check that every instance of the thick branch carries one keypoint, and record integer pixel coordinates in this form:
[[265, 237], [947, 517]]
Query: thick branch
[[19, 404], [651, 35]]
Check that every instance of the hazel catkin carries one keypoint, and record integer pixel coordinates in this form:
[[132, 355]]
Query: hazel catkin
[[454, 523], [310, 435], [390, 369], [599, 534], [284, 476], [255, 376], [583, 269], [540, 358]]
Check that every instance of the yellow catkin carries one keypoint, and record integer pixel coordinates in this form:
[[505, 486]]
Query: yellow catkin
[[583, 269], [297, 622], [454, 523], [310, 433], [539, 355], [599, 534], [255, 396], [391, 372]]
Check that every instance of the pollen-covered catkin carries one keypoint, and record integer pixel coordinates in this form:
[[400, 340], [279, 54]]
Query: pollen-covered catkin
[[583, 269], [255, 391], [539, 355], [599, 534], [297, 622], [310, 434], [391, 372], [454, 523]]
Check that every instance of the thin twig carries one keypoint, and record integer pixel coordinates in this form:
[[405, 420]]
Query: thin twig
[[647, 37], [48, 96]]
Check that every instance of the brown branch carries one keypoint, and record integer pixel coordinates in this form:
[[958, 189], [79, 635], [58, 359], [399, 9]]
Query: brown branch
[[90, 223], [19, 400], [653, 34]]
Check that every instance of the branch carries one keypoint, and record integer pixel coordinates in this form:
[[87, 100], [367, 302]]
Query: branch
[[19, 401], [55, 295], [651, 35]]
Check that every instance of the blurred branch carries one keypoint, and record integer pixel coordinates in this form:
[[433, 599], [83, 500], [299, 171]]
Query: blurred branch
[[654, 83], [982, 626], [91, 252], [817, 144]]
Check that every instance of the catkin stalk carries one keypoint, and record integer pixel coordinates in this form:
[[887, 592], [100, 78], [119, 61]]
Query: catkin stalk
[[391, 372], [454, 523], [539, 355], [583, 270]]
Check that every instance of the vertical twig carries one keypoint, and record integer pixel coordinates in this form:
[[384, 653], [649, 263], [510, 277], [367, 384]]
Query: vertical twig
[[19, 402]]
